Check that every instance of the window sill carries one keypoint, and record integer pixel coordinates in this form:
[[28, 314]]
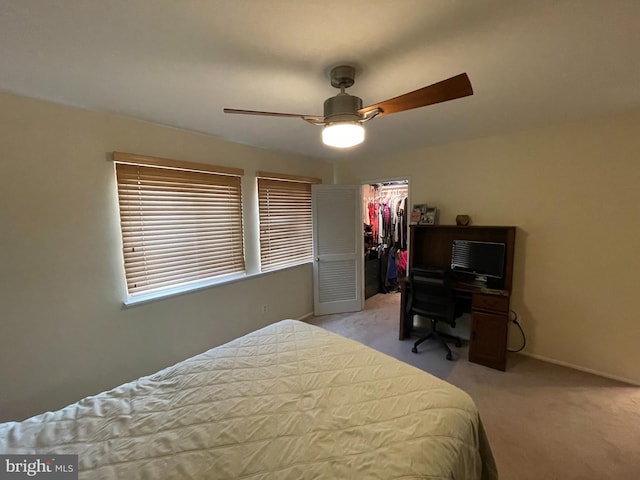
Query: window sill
[[141, 299]]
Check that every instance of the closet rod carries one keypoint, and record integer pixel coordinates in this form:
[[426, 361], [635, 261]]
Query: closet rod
[[390, 183]]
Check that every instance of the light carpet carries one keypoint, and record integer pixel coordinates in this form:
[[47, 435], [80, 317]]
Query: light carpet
[[544, 421]]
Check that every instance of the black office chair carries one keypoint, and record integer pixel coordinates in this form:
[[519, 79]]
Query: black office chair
[[430, 295]]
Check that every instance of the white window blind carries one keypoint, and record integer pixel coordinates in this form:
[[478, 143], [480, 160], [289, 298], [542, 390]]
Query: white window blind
[[286, 230], [181, 222]]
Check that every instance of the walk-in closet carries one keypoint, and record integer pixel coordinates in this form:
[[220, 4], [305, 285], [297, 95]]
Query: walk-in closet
[[386, 220]]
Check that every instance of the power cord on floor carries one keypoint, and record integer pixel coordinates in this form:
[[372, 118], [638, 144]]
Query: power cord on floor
[[524, 338]]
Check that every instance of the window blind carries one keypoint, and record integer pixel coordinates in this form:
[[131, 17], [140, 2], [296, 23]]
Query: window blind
[[286, 230], [178, 225]]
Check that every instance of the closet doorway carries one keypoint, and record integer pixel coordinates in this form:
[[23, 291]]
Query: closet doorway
[[386, 228]]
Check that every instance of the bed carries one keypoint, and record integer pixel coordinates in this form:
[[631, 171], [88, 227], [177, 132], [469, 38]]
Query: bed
[[288, 401]]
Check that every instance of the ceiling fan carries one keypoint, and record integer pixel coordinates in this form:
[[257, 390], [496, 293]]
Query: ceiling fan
[[344, 115]]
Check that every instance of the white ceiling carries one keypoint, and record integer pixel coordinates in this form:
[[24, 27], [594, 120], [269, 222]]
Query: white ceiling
[[179, 63]]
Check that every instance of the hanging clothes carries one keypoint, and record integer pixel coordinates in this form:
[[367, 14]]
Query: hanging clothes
[[373, 218], [402, 263], [386, 223], [391, 282]]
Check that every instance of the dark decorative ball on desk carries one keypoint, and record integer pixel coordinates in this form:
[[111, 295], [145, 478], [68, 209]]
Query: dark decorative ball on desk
[[463, 220]]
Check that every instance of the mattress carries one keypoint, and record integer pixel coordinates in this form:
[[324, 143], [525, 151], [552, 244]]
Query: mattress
[[288, 401]]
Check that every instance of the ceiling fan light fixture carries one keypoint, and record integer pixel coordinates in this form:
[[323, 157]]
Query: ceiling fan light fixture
[[343, 113], [343, 134]]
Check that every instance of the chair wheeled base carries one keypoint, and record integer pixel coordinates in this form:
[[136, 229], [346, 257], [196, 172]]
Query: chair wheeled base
[[441, 337]]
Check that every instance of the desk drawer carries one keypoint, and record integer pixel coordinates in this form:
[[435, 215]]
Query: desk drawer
[[488, 302]]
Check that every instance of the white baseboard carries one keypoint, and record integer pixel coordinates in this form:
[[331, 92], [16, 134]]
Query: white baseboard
[[582, 369], [305, 316]]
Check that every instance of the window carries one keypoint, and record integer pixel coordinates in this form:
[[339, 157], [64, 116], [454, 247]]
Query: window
[[181, 222], [286, 233]]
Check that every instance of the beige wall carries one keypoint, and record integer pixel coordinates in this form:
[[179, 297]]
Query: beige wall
[[573, 191], [64, 333]]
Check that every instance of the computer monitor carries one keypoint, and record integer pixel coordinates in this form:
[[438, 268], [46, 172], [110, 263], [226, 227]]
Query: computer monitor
[[485, 260]]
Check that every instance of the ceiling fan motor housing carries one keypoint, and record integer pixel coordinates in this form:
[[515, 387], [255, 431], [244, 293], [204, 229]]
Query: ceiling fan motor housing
[[342, 108], [343, 76]]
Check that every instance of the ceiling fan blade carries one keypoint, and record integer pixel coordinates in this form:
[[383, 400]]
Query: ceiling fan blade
[[275, 114], [449, 89]]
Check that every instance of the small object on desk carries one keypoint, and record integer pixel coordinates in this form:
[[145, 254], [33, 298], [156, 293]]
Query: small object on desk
[[430, 217], [495, 291], [417, 213], [463, 220]]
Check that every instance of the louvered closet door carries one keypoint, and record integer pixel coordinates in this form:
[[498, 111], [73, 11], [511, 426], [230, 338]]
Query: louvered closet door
[[337, 249]]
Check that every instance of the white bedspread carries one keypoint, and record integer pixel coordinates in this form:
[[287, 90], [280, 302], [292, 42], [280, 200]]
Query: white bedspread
[[289, 401]]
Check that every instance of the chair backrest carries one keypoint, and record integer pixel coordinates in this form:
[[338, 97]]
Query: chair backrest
[[431, 295]]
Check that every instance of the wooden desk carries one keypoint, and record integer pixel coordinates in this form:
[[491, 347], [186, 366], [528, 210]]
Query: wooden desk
[[430, 246]]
